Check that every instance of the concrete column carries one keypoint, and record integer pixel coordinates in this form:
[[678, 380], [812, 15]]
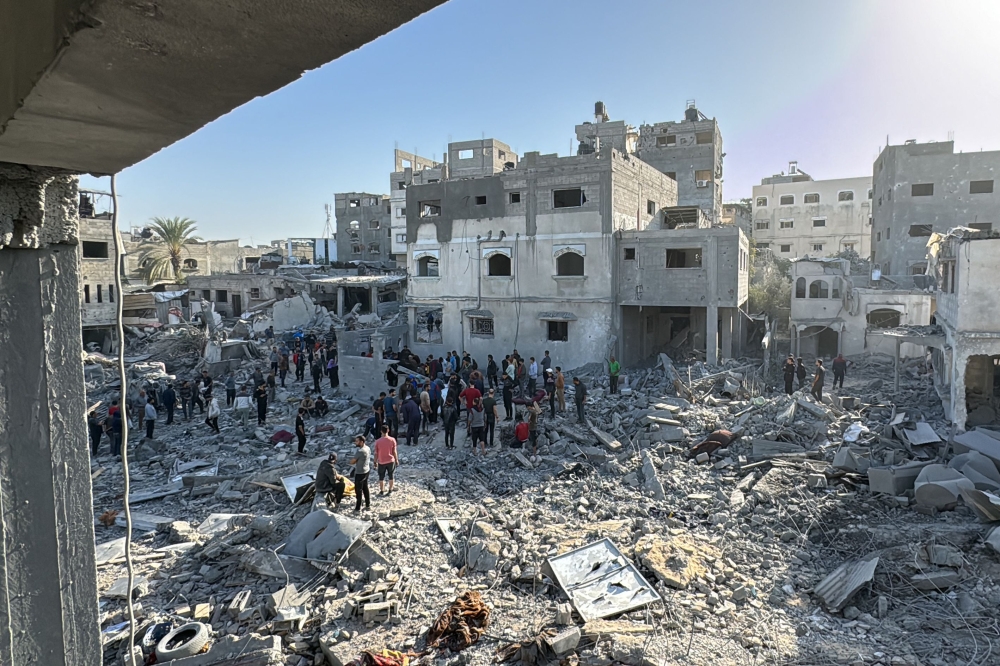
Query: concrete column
[[727, 333], [373, 296], [48, 589], [411, 325], [340, 301], [712, 335]]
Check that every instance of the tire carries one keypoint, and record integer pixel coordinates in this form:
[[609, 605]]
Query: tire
[[186, 640]]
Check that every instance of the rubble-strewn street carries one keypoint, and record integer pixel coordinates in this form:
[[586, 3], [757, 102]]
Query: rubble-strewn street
[[773, 549]]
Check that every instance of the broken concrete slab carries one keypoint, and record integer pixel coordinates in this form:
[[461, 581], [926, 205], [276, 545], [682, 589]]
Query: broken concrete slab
[[819, 411], [110, 550], [940, 487], [216, 523], [985, 505], [977, 440], [852, 459], [839, 587], [921, 434], [606, 439], [119, 589], [977, 468], [650, 482], [675, 560], [251, 650], [565, 641], [993, 540], [600, 581], [146, 522], [764, 449], [894, 480], [941, 579], [287, 596], [666, 433]]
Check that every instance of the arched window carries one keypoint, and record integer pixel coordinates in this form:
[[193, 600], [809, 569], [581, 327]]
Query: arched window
[[498, 264], [427, 267], [569, 263], [819, 289], [800, 288], [190, 263]]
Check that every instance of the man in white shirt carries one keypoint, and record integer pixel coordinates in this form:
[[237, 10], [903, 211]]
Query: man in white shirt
[[150, 414], [242, 406], [532, 376]]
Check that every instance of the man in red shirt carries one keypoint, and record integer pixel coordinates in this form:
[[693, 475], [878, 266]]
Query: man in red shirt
[[471, 394], [387, 460]]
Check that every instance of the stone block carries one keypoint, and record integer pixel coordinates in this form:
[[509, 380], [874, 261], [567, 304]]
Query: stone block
[[565, 641]]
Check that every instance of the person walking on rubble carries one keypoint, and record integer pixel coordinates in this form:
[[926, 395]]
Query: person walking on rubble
[[260, 395], [186, 400], [299, 359], [425, 408], [477, 425], [362, 468], [275, 358], [242, 406], [300, 428], [614, 369], [116, 432], [550, 389], [580, 397], [150, 412], [449, 416], [272, 386], [839, 370], [561, 389], [212, 420], [196, 398], [800, 373], [409, 413], [788, 372], [230, 389], [389, 412], [258, 377], [490, 405], [283, 369], [329, 483], [508, 397], [387, 459], [817, 385], [317, 374], [169, 398]]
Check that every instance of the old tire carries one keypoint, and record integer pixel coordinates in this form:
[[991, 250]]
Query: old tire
[[186, 640]]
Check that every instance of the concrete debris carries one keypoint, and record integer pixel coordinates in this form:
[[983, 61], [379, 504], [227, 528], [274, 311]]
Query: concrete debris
[[839, 587], [739, 540]]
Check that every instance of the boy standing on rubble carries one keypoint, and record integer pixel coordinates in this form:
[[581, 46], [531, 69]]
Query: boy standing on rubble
[[300, 428], [362, 467]]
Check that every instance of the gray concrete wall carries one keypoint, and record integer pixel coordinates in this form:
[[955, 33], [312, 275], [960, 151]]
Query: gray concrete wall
[[685, 158], [48, 592], [489, 156], [373, 209], [895, 209], [97, 276]]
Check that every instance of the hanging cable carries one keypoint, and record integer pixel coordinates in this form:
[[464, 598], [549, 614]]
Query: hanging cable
[[120, 329]]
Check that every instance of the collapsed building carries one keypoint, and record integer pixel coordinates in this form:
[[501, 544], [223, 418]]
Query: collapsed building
[[837, 311], [98, 309]]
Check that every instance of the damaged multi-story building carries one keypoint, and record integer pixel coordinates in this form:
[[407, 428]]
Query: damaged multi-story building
[[529, 253], [364, 233], [835, 310], [797, 216], [98, 309], [409, 169], [966, 357], [926, 188]]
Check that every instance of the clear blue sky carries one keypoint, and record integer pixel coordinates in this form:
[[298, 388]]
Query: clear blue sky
[[823, 83]]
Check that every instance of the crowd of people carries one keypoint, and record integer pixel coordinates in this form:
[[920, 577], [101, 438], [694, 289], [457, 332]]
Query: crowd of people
[[795, 370]]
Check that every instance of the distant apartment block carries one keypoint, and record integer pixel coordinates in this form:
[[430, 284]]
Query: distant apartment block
[[364, 232], [98, 299], [739, 215], [796, 216], [922, 188], [410, 169]]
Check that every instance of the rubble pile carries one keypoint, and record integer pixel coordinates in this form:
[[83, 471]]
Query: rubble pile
[[848, 531]]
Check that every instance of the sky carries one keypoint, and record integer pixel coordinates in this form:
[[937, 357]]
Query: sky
[[823, 83]]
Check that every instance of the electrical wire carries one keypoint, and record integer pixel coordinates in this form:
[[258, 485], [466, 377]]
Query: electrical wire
[[120, 328]]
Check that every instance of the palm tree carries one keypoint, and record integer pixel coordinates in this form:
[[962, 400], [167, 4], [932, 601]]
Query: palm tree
[[161, 255]]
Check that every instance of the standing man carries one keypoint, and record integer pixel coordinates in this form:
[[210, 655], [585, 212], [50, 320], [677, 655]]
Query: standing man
[[362, 467], [491, 371], [391, 417], [580, 397], [317, 374], [275, 358], [333, 370], [470, 394], [430, 329], [546, 362], [212, 421], [614, 367], [839, 370], [169, 399], [532, 376], [550, 389], [561, 389], [477, 425], [533, 411], [186, 400], [510, 371], [387, 458], [272, 386], [258, 377], [196, 398], [817, 385], [300, 428], [449, 416], [410, 413], [425, 408], [150, 413], [800, 373], [283, 369], [508, 397], [230, 389], [96, 428], [116, 431], [788, 372], [490, 406], [299, 359]]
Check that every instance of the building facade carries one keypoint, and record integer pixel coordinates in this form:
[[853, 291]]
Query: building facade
[[410, 169], [96, 252], [795, 216], [690, 152], [925, 188], [525, 258], [834, 312], [738, 214], [967, 362], [364, 232]]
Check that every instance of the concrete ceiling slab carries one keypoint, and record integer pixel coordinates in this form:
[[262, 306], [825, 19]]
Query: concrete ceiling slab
[[130, 77]]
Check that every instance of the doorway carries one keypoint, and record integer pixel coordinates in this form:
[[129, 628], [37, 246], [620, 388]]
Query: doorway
[[237, 305]]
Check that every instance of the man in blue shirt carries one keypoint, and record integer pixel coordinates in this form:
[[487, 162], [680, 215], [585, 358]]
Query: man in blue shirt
[[391, 417]]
